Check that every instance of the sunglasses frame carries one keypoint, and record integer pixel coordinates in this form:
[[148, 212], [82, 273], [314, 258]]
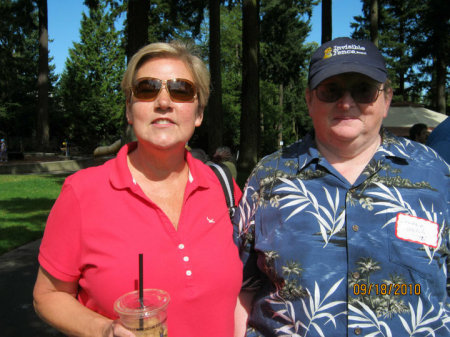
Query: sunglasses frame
[[164, 84], [350, 90]]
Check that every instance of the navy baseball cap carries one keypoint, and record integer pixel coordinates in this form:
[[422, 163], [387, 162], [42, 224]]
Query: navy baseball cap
[[345, 55]]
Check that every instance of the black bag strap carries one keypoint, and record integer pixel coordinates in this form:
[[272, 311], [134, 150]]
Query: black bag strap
[[226, 180]]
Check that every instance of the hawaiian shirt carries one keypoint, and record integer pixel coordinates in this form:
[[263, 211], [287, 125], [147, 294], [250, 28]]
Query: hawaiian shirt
[[329, 258]]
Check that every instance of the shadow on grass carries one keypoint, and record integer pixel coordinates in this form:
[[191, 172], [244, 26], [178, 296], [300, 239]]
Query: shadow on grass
[[24, 221], [26, 205]]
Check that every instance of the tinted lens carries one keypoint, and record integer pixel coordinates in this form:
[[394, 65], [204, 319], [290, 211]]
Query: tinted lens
[[365, 92], [362, 92], [147, 89], [329, 92], [181, 90]]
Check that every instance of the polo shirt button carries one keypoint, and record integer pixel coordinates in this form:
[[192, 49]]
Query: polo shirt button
[[188, 272], [355, 228], [186, 258], [181, 246], [358, 331], [356, 275]]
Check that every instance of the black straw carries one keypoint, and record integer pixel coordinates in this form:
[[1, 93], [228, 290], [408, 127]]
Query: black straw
[[141, 280], [141, 287]]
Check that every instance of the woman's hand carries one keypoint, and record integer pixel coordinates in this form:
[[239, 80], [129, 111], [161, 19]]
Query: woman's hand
[[55, 302], [115, 329]]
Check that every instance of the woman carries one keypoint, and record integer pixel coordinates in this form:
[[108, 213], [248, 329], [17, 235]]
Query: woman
[[153, 198]]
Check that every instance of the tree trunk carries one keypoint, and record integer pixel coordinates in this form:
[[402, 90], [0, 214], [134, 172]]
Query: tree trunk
[[327, 30], [215, 115], [280, 120], [441, 74], [137, 30], [374, 22], [137, 37], [250, 124], [42, 132]]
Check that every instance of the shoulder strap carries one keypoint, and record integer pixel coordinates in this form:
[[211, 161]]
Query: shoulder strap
[[226, 180]]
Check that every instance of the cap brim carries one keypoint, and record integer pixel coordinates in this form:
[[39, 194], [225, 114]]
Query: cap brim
[[330, 70]]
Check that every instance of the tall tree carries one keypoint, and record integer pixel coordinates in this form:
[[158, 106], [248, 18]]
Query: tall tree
[[90, 85], [284, 56], [215, 115], [42, 133], [327, 30], [137, 26], [250, 122], [374, 21], [19, 55], [432, 47], [413, 37]]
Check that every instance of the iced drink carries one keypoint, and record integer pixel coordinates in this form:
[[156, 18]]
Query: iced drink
[[146, 318]]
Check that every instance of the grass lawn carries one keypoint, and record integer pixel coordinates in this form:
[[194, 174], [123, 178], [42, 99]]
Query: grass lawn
[[25, 202]]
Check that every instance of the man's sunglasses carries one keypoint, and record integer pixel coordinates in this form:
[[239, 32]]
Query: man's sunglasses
[[362, 92], [179, 89]]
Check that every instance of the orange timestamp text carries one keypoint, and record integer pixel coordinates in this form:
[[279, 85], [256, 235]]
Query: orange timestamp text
[[395, 289]]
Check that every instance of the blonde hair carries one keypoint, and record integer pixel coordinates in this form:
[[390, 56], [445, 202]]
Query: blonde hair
[[175, 49]]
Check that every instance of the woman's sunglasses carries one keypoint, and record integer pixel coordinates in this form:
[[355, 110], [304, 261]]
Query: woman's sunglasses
[[361, 92], [180, 89]]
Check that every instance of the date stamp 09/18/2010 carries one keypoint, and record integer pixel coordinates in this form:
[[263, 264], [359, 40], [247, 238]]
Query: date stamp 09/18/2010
[[396, 289]]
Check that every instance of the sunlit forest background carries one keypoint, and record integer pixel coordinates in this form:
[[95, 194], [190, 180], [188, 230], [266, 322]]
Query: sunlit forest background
[[256, 52]]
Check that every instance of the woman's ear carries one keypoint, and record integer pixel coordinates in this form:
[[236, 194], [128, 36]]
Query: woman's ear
[[128, 113], [199, 117]]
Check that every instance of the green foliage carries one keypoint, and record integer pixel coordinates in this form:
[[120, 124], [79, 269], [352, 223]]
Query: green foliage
[[284, 63], [92, 102], [412, 36], [18, 68], [231, 50], [180, 19]]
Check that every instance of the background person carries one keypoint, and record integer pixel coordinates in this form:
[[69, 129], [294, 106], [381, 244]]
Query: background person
[[223, 155], [439, 139], [419, 133], [3, 150], [345, 232], [153, 198]]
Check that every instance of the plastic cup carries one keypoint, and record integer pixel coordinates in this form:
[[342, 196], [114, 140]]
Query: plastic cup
[[146, 319]]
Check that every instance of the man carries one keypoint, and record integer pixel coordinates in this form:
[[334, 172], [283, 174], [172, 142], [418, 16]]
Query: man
[[419, 133], [345, 232], [439, 139], [3, 151]]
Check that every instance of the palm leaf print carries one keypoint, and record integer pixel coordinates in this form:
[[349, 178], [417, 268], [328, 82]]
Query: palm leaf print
[[246, 210], [314, 310], [396, 204], [419, 321], [328, 217], [368, 319]]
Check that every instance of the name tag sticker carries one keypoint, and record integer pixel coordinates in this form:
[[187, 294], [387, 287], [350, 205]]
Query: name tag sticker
[[418, 230]]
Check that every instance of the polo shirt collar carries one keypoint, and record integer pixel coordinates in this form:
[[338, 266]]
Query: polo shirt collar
[[120, 175], [121, 178]]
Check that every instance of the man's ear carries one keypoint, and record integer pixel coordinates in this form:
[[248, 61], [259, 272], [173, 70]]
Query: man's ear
[[387, 98], [308, 98]]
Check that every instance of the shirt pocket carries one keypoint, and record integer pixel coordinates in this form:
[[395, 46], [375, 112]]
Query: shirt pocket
[[408, 250]]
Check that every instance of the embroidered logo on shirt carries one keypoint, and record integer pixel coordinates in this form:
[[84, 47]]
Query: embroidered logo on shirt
[[418, 230], [210, 220]]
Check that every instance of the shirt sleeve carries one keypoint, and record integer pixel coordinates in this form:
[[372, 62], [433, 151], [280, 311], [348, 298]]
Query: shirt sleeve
[[244, 235], [59, 253], [237, 193]]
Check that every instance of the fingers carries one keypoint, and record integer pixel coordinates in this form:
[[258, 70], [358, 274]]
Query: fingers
[[120, 331], [115, 329]]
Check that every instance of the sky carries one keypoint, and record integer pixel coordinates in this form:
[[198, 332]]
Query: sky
[[64, 17]]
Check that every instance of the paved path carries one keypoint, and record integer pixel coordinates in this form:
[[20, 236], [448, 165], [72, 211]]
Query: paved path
[[18, 270]]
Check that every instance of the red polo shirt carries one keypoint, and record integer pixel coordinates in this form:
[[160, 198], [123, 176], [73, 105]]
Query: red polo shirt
[[101, 222]]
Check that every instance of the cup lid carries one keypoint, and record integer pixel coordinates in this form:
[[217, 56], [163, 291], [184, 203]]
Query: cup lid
[[154, 301]]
